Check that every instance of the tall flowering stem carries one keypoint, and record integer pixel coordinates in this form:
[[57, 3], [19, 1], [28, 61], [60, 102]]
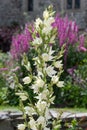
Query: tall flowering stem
[[48, 68]]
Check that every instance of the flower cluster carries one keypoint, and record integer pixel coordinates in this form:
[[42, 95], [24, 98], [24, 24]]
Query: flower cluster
[[67, 30], [48, 68], [21, 42], [68, 34], [81, 46]]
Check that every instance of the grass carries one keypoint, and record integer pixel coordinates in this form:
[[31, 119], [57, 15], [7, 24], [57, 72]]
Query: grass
[[9, 108], [71, 110], [78, 110], [16, 108]]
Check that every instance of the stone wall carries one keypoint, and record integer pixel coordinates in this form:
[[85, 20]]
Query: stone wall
[[12, 11], [10, 120]]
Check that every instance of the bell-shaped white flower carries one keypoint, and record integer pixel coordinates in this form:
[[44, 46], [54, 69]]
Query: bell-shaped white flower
[[48, 22], [22, 96], [58, 64], [29, 110], [39, 83], [46, 57], [41, 106], [27, 80], [43, 95], [47, 30], [51, 51], [46, 14], [39, 72], [47, 114], [41, 121], [60, 84], [21, 127], [52, 39], [55, 79], [32, 123], [50, 71], [37, 60], [38, 22], [37, 41], [28, 66], [46, 128], [35, 88]]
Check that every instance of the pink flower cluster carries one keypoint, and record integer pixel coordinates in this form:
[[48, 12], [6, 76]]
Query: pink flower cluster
[[67, 30], [21, 42], [68, 34], [3, 69], [81, 46]]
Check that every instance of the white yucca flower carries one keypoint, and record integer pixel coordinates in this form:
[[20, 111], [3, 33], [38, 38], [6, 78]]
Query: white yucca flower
[[47, 57], [38, 22], [37, 60], [52, 39], [47, 114], [46, 14], [48, 22], [46, 128], [47, 30], [39, 72], [41, 106], [50, 71], [60, 84], [43, 95], [28, 66], [41, 121], [39, 83], [27, 80], [35, 88], [32, 123], [22, 96], [21, 127], [58, 64], [29, 110], [55, 79], [51, 51], [37, 41]]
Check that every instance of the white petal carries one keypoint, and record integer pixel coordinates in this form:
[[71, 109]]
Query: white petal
[[27, 80]]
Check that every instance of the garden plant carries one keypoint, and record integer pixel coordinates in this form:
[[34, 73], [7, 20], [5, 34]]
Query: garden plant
[[45, 74]]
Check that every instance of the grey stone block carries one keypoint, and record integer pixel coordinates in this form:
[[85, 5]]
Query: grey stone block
[[6, 125]]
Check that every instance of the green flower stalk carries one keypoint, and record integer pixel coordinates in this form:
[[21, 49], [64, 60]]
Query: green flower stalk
[[47, 70]]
